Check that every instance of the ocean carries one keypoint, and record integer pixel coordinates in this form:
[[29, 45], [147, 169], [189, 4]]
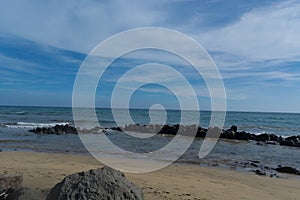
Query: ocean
[[15, 121]]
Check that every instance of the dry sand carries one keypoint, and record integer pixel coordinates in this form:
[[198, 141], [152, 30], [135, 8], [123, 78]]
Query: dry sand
[[44, 170]]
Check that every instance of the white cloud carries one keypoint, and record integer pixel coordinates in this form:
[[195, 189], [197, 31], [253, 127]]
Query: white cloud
[[269, 34], [75, 25], [265, 33]]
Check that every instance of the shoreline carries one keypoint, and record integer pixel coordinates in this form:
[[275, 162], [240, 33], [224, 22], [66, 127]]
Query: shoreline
[[236, 160], [177, 181], [194, 131]]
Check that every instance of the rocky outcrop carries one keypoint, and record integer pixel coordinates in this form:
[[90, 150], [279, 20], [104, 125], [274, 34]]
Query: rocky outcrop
[[102, 183], [288, 170], [293, 141], [232, 133], [56, 130]]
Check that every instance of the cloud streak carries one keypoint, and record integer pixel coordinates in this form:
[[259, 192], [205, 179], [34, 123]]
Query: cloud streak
[[254, 43]]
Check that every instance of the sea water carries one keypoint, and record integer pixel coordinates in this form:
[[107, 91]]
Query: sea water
[[16, 121]]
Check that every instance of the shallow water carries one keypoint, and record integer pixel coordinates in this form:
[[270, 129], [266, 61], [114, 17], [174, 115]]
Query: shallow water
[[16, 121]]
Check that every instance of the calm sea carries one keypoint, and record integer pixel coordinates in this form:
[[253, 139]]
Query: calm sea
[[16, 121]]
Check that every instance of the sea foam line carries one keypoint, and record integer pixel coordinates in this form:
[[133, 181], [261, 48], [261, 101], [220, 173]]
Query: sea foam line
[[33, 125]]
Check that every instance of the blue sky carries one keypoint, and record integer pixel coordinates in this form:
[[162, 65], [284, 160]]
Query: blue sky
[[255, 44]]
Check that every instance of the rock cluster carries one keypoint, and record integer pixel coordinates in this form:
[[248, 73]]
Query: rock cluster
[[231, 133], [102, 183], [293, 141], [288, 170], [98, 184], [56, 130]]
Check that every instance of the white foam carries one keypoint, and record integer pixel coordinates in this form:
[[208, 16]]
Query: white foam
[[21, 113], [34, 125]]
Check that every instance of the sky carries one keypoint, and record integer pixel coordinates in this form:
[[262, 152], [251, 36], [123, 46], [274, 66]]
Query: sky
[[255, 45]]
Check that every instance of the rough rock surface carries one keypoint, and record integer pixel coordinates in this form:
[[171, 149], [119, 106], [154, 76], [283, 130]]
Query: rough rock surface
[[23, 193], [288, 170], [102, 183], [191, 130], [56, 130], [232, 133], [9, 183]]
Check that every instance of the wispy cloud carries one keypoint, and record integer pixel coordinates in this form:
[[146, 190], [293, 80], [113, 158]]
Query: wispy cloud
[[254, 43], [269, 32]]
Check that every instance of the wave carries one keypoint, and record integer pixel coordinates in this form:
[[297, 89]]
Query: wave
[[32, 125], [21, 113]]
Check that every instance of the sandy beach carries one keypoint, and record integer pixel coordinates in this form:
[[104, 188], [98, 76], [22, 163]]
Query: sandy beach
[[177, 181]]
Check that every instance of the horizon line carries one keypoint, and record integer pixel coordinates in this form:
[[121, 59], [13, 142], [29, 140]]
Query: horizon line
[[171, 109]]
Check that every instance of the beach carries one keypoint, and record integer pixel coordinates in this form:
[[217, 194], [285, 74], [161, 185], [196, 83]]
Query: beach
[[42, 144], [193, 100], [177, 181]]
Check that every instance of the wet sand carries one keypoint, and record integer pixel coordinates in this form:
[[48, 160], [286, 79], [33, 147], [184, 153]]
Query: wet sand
[[177, 181]]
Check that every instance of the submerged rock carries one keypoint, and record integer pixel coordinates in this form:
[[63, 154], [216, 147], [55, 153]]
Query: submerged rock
[[102, 183]]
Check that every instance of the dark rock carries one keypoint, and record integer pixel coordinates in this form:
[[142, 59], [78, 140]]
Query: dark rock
[[170, 130], [243, 136], [234, 128], [228, 134], [190, 130], [10, 182], [24, 193], [273, 137], [288, 170], [56, 130], [116, 129], [292, 141], [262, 137], [201, 133], [274, 176], [259, 172], [253, 164], [292, 138], [102, 183]]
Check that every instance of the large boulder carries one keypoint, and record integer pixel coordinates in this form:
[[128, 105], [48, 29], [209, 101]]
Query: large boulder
[[102, 183]]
